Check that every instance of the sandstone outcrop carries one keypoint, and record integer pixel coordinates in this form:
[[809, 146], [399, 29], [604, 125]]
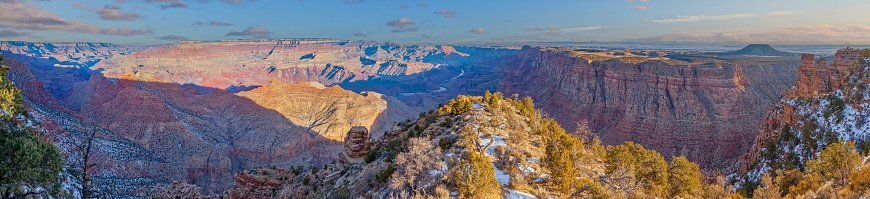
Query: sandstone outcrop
[[705, 111], [827, 100], [818, 77], [258, 183], [356, 145]]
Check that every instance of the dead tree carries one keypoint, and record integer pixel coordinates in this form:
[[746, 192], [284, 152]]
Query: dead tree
[[85, 147]]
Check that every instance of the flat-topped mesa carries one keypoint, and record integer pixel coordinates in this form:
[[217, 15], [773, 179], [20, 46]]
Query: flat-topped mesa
[[818, 77], [356, 145]]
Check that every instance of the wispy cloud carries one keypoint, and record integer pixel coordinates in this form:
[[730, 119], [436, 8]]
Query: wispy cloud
[[12, 33], [684, 19], [479, 31], [583, 28], [359, 35], [252, 31], [167, 4], [172, 37], [810, 34], [781, 13], [212, 23], [30, 17], [639, 8], [555, 30], [447, 13]]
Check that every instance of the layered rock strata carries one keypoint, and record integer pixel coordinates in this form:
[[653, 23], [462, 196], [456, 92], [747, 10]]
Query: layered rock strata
[[356, 145], [826, 101], [705, 111]]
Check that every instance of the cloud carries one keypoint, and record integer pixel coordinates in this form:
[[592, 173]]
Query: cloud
[[253, 31], [359, 35], [351, 1], [809, 35], [543, 29], [575, 29], [781, 13], [477, 31], [423, 5], [211, 23], [555, 30], [167, 4], [639, 8], [172, 37], [684, 19], [402, 25], [218, 23], [12, 33], [126, 31], [174, 5], [404, 6], [233, 2], [426, 36], [447, 13], [30, 17], [113, 12]]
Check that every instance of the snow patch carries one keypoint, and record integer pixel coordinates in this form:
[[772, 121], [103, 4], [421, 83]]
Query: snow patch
[[501, 176], [514, 194]]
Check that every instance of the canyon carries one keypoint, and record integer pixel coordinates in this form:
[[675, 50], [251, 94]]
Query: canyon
[[706, 111], [199, 112]]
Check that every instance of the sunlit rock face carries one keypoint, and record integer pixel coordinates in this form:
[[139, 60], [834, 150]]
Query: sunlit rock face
[[708, 112], [198, 112], [239, 64], [828, 102]]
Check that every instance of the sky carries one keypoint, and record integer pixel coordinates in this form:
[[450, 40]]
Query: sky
[[783, 22]]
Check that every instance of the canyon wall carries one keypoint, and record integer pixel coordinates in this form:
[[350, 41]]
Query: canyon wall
[[199, 112], [828, 102], [708, 112]]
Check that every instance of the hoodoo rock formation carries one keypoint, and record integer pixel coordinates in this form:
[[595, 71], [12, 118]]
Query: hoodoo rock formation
[[705, 111], [815, 106], [818, 77], [356, 145]]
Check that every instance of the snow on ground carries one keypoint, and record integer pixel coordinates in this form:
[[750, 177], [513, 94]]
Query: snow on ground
[[514, 194], [440, 171], [476, 106], [498, 140], [502, 177]]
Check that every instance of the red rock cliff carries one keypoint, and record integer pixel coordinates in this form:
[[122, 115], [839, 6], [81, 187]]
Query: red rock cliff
[[815, 79], [707, 112]]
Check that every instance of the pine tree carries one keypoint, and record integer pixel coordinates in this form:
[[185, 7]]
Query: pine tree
[[646, 168], [28, 166], [561, 153], [767, 190], [836, 162], [684, 178], [475, 177]]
